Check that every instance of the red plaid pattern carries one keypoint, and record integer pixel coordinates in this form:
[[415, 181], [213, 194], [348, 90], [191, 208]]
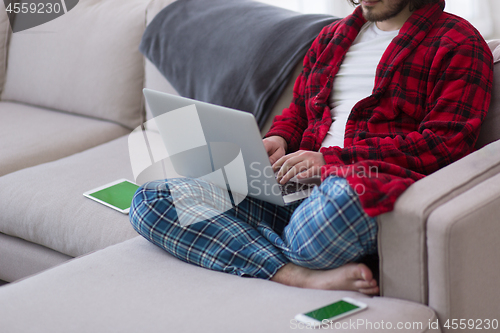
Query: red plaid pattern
[[432, 92]]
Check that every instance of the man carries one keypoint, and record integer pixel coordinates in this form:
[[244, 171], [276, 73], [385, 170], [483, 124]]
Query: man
[[389, 94]]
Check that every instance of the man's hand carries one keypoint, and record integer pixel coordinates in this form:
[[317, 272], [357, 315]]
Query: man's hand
[[303, 164], [275, 147]]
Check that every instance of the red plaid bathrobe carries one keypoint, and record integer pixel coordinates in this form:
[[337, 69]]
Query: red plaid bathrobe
[[432, 91]]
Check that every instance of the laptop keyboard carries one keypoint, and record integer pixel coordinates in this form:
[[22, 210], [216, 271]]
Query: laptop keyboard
[[292, 187]]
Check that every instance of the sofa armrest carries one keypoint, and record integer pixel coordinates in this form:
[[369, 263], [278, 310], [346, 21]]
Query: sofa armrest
[[463, 249], [402, 232]]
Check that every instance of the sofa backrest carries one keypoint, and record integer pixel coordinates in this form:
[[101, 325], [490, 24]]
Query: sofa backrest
[[85, 62], [284, 100], [490, 130]]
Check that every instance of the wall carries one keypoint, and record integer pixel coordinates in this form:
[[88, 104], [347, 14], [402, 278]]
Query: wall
[[495, 10], [473, 10]]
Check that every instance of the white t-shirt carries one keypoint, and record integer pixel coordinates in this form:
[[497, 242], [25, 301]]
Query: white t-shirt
[[356, 78]]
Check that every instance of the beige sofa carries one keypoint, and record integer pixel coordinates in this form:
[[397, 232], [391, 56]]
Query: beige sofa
[[71, 99]]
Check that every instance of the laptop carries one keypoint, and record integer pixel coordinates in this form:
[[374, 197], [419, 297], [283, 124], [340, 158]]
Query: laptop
[[222, 146]]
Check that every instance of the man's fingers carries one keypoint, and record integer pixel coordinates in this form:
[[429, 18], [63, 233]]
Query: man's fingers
[[296, 163], [314, 171], [276, 155], [280, 161], [284, 164], [275, 147], [293, 171]]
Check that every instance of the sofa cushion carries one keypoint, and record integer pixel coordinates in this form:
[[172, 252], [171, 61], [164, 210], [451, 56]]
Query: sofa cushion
[[156, 81], [5, 32], [86, 62], [137, 287], [45, 204], [241, 64], [490, 130], [31, 135], [20, 258]]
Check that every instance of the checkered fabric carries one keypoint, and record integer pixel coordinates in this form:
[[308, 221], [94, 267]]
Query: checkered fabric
[[432, 91], [255, 238]]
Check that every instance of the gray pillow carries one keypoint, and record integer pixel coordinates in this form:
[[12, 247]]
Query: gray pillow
[[234, 53]]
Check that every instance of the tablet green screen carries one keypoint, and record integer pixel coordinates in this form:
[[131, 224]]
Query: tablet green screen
[[119, 195]]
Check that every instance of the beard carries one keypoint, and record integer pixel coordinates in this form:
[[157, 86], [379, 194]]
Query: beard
[[391, 11]]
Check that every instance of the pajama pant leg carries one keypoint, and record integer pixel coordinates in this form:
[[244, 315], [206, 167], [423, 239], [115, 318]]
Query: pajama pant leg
[[328, 230], [255, 238], [226, 241]]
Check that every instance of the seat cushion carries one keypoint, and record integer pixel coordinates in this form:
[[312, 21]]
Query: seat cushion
[[45, 204], [137, 287], [86, 62], [31, 135]]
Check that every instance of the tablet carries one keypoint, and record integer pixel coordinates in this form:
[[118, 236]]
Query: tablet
[[117, 195]]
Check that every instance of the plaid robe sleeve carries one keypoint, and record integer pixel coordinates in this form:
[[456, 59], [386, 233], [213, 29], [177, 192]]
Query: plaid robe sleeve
[[432, 92]]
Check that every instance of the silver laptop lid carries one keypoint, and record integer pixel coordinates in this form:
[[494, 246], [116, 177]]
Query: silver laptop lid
[[215, 143]]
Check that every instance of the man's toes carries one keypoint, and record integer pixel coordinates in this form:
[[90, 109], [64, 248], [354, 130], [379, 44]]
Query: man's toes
[[364, 272], [362, 284], [355, 271], [370, 291]]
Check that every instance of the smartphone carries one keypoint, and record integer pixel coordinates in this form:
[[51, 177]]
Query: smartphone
[[117, 195], [345, 307]]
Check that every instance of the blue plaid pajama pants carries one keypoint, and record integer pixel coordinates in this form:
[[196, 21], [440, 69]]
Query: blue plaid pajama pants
[[254, 238]]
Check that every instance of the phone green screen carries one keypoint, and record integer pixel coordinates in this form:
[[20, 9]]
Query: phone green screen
[[119, 195], [331, 310]]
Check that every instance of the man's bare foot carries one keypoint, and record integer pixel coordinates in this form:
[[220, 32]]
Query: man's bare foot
[[356, 277]]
